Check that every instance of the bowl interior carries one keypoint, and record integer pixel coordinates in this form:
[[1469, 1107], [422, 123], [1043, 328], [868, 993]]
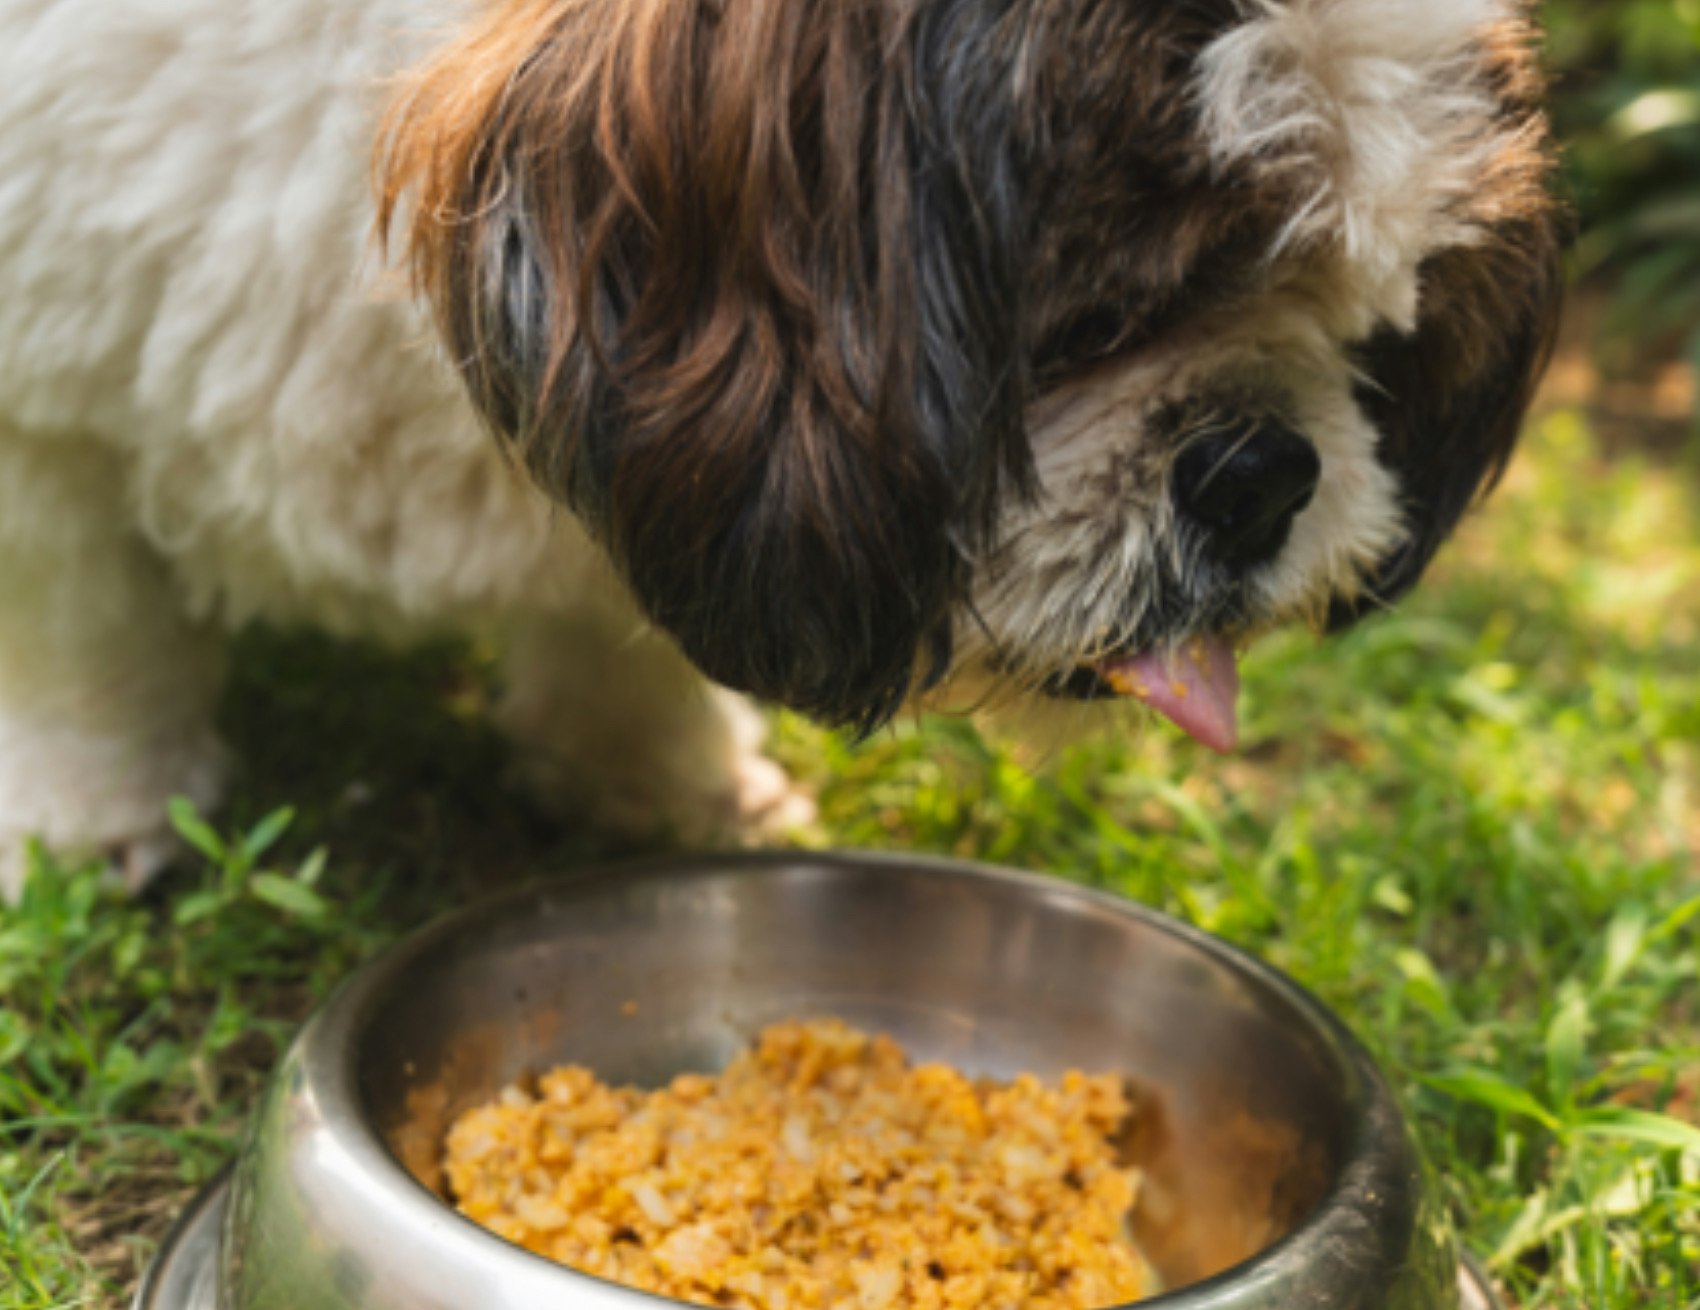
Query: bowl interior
[[1246, 1102]]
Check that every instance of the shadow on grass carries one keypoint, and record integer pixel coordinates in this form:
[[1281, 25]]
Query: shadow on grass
[[390, 761]]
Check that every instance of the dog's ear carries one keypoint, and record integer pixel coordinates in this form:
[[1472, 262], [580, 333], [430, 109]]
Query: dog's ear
[[739, 283], [1449, 397]]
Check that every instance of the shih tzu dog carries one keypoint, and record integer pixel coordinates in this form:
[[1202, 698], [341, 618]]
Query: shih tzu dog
[[853, 355]]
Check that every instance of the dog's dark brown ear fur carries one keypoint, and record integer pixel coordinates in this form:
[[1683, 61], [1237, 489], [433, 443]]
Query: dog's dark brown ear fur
[[745, 300], [1450, 398]]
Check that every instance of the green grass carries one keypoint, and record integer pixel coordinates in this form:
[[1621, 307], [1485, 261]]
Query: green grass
[[1471, 826]]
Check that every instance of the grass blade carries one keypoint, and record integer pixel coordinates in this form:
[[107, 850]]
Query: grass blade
[[1486, 1088], [1628, 1124]]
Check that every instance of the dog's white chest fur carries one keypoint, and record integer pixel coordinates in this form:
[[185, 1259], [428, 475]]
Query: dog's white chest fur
[[186, 277]]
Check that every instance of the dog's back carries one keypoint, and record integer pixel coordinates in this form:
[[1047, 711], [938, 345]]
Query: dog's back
[[187, 281]]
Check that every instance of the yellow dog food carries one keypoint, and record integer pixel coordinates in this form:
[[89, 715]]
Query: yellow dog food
[[820, 1170]]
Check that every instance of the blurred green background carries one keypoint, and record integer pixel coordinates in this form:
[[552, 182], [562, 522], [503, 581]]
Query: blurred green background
[[1627, 107]]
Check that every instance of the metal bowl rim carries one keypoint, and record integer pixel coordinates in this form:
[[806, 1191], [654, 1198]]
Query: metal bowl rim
[[205, 1210], [345, 1013]]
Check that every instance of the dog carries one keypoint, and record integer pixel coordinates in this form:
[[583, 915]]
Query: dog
[[935, 353]]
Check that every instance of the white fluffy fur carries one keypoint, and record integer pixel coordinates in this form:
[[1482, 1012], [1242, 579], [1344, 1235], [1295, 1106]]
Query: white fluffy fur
[[1367, 106], [93, 739], [210, 409]]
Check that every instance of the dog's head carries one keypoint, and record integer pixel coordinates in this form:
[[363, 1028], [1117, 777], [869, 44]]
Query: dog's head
[[886, 343]]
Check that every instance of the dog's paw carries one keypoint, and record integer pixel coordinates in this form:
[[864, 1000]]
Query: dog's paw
[[698, 777], [708, 787], [749, 798], [87, 797], [763, 800]]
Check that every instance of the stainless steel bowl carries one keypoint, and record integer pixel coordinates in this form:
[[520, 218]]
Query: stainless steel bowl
[[1279, 1172]]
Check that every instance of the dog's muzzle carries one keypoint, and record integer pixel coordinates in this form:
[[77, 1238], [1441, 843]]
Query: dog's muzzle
[[1240, 486]]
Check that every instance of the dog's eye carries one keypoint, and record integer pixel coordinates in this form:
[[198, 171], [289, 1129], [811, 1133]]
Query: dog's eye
[[1081, 340]]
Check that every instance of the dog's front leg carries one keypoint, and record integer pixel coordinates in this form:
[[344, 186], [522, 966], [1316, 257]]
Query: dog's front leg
[[106, 688], [612, 723]]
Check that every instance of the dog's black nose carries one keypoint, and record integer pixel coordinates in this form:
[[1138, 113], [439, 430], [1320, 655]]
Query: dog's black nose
[[1245, 484]]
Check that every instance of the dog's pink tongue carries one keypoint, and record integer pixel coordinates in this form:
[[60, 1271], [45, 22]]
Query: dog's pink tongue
[[1196, 688]]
